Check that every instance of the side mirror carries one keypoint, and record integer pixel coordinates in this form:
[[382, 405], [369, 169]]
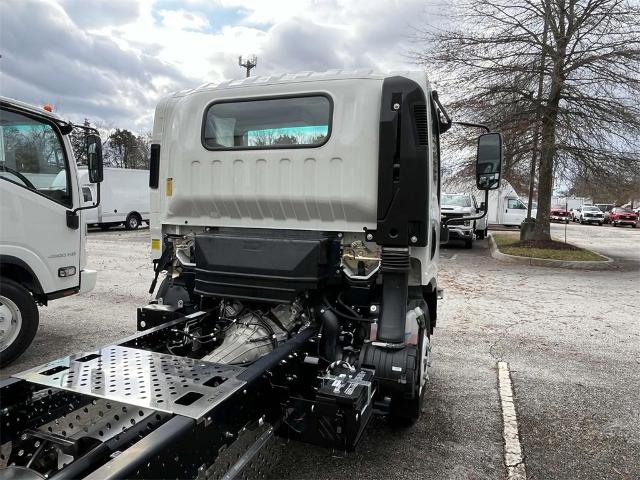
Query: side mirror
[[489, 161], [94, 156]]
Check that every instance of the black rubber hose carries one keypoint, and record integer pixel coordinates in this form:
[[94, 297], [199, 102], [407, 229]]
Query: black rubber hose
[[330, 333]]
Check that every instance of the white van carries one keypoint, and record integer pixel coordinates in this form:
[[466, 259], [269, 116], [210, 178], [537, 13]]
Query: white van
[[124, 198]]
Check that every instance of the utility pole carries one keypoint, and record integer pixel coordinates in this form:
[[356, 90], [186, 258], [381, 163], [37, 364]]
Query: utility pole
[[248, 63]]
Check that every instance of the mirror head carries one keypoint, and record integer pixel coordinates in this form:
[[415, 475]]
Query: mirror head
[[94, 157], [489, 161]]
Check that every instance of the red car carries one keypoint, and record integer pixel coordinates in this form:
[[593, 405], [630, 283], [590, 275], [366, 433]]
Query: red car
[[623, 216], [559, 214]]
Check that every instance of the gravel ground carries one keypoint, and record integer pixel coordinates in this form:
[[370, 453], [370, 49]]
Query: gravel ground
[[571, 339]]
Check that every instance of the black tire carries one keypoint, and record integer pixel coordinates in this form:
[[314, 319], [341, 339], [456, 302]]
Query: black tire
[[634, 225], [480, 234], [133, 221], [581, 221], [468, 243], [407, 411], [30, 318]]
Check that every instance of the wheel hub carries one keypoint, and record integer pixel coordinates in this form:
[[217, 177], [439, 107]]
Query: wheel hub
[[10, 322]]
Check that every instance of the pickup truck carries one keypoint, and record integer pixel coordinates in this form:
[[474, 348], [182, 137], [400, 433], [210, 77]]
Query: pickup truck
[[623, 216], [588, 214], [559, 214], [454, 205]]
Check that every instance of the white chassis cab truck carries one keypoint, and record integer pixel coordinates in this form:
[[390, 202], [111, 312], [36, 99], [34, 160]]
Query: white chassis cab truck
[[296, 219], [42, 247]]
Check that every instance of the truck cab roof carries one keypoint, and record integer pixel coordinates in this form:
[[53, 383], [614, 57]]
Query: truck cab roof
[[30, 108], [300, 77]]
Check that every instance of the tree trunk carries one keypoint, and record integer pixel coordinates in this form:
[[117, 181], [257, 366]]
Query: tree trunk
[[542, 230]]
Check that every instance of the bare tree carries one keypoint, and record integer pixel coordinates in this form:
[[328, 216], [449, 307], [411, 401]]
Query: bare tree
[[586, 115]]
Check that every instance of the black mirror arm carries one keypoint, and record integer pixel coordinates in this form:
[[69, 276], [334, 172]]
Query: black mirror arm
[[473, 125], [477, 217]]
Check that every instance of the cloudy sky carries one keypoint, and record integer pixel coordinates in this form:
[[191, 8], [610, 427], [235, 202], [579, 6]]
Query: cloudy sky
[[111, 60]]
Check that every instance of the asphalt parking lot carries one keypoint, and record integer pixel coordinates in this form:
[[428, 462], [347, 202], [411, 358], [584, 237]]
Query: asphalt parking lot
[[571, 338]]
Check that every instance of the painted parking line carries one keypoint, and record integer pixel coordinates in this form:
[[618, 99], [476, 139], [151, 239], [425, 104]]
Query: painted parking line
[[513, 457]]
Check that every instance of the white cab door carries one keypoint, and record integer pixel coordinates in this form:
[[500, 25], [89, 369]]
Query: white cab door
[[36, 191], [514, 211]]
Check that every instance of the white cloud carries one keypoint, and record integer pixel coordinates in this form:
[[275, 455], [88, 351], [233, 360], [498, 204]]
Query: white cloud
[[113, 61], [183, 20]]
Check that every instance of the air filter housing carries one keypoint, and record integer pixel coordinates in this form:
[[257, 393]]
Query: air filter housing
[[263, 265]]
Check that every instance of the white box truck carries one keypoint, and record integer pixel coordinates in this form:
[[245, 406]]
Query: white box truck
[[505, 205], [124, 198], [42, 247]]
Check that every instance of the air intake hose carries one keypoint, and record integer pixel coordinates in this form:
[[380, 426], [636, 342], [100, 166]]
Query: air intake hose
[[330, 332], [395, 267]]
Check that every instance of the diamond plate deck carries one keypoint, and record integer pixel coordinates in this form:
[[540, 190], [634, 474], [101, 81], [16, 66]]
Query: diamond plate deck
[[179, 385]]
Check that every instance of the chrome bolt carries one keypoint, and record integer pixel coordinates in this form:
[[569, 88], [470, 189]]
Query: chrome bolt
[[373, 308], [414, 239], [396, 106], [369, 236], [340, 235]]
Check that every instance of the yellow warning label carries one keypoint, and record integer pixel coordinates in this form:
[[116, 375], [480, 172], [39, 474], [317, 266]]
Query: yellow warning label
[[155, 244], [169, 186]]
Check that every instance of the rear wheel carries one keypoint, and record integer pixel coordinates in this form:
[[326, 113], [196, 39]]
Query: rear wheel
[[133, 221], [406, 411], [468, 243], [19, 320]]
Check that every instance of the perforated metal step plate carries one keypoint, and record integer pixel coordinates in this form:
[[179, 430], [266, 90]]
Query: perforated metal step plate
[[146, 379]]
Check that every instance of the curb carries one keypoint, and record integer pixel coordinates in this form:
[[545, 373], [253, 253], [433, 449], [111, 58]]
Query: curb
[[547, 262]]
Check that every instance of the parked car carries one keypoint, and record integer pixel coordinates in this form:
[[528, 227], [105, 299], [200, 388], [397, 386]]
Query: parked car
[[588, 214], [623, 216], [559, 214]]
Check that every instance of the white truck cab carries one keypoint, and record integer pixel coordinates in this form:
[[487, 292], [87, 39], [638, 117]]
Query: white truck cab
[[42, 247], [313, 191]]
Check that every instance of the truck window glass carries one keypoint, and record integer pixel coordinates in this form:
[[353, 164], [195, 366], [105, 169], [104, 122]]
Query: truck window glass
[[288, 122], [514, 203], [86, 194], [456, 201], [33, 156]]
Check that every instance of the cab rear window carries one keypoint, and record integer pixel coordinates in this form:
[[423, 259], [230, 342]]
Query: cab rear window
[[283, 122]]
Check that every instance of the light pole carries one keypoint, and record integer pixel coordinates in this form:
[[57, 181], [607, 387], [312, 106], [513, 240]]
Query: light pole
[[248, 63]]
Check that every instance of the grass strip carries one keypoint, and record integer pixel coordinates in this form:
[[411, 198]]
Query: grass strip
[[510, 244]]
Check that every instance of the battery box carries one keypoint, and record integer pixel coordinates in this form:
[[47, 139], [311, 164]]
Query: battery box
[[340, 412]]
